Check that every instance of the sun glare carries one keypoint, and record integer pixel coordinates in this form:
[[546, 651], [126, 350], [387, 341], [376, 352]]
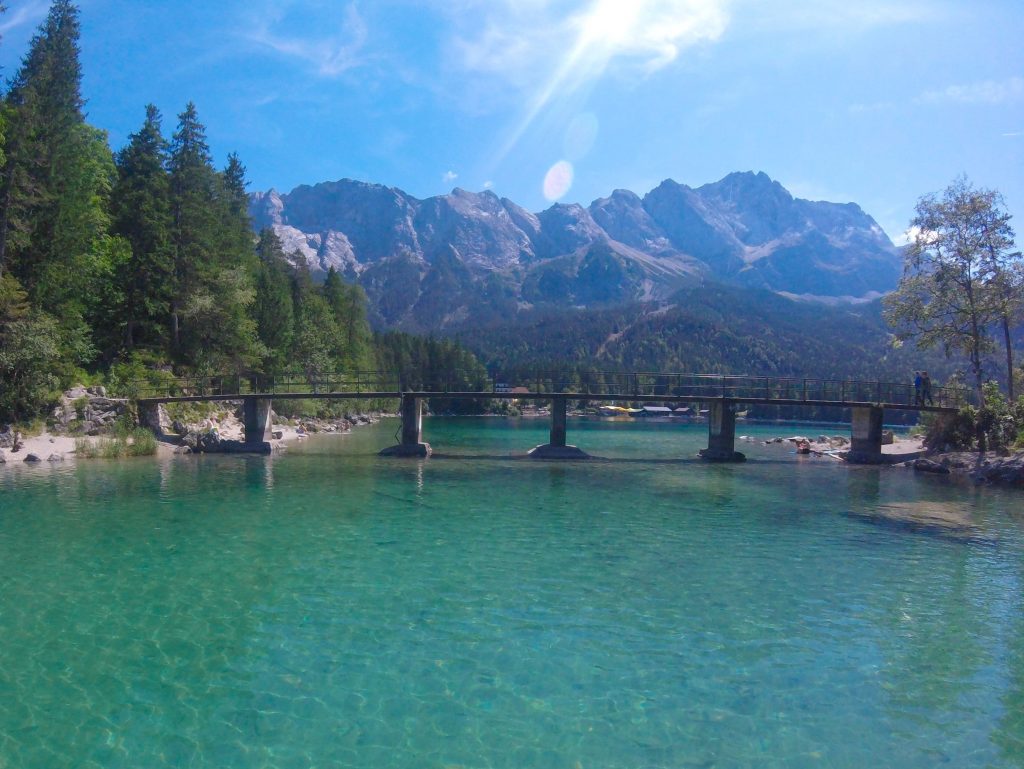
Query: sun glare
[[611, 22], [651, 33]]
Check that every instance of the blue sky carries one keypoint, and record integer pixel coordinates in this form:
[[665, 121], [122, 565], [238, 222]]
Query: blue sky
[[867, 101]]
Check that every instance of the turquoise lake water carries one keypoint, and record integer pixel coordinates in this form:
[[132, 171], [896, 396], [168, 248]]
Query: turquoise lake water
[[328, 608]]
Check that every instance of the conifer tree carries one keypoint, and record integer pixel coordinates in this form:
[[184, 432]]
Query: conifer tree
[[237, 239], [274, 309], [46, 105], [193, 183], [55, 181], [348, 306], [141, 210]]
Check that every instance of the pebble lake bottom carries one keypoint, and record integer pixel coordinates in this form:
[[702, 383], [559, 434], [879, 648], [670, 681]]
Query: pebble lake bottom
[[330, 608]]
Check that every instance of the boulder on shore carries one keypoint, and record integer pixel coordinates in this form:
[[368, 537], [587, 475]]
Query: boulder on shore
[[87, 410], [923, 465]]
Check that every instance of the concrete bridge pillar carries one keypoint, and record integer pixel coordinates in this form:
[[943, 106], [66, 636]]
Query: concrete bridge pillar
[[153, 416], [557, 423], [257, 423], [556, 448], [866, 438], [722, 434], [412, 444]]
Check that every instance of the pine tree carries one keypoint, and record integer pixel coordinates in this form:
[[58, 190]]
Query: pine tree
[[348, 306], [141, 209], [193, 183], [237, 246], [274, 308], [55, 182]]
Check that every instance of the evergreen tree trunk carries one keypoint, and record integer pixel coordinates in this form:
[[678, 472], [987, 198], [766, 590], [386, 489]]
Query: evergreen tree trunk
[[1009, 356]]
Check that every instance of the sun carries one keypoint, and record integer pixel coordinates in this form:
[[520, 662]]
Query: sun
[[610, 23]]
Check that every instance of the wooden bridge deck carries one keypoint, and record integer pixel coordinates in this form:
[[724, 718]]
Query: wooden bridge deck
[[615, 387], [724, 395]]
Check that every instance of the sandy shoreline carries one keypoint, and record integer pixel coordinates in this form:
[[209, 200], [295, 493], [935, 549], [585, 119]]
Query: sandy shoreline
[[46, 444]]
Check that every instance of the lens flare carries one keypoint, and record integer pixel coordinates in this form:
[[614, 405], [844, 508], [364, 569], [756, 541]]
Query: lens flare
[[558, 180]]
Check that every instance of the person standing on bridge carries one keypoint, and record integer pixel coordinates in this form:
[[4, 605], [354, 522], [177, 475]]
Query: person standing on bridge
[[926, 389], [918, 381]]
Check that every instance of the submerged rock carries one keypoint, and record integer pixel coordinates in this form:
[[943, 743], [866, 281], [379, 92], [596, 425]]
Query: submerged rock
[[943, 518]]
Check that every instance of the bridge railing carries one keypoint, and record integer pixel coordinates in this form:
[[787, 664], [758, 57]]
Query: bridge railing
[[253, 384], [591, 385], [713, 386]]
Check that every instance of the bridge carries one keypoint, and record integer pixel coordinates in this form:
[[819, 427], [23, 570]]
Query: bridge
[[722, 395]]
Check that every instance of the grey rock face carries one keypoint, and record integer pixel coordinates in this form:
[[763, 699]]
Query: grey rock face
[[88, 410], [483, 252]]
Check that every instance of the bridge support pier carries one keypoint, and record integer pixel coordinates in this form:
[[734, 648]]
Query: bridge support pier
[[866, 437], [556, 447], [722, 434], [412, 444], [257, 425]]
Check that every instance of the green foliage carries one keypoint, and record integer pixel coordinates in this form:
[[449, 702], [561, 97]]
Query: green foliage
[[30, 354], [220, 333], [1001, 421], [997, 426], [951, 432], [957, 277], [192, 412], [426, 363], [139, 372], [141, 213], [274, 306], [137, 442]]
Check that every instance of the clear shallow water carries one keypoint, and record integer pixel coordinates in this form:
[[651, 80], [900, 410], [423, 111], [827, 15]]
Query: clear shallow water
[[327, 608]]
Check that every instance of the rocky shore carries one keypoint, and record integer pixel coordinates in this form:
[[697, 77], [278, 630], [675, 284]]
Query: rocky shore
[[981, 469], [89, 413], [224, 433]]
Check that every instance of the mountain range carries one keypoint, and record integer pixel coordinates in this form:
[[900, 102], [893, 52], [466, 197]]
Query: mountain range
[[464, 258]]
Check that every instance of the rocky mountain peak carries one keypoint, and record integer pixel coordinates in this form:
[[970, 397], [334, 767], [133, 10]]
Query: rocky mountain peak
[[487, 255]]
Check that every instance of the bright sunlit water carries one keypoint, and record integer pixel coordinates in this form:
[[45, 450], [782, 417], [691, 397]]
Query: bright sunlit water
[[327, 608]]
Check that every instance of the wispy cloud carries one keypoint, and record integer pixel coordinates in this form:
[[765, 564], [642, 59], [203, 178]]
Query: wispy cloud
[[549, 50], [517, 39], [984, 92], [29, 12], [449, 176], [330, 55]]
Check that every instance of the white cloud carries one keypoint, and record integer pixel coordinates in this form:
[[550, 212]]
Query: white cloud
[[907, 237], [550, 50], [449, 176], [28, 13], [984, 92], [330, 56], [488, 185], [518, 39]]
